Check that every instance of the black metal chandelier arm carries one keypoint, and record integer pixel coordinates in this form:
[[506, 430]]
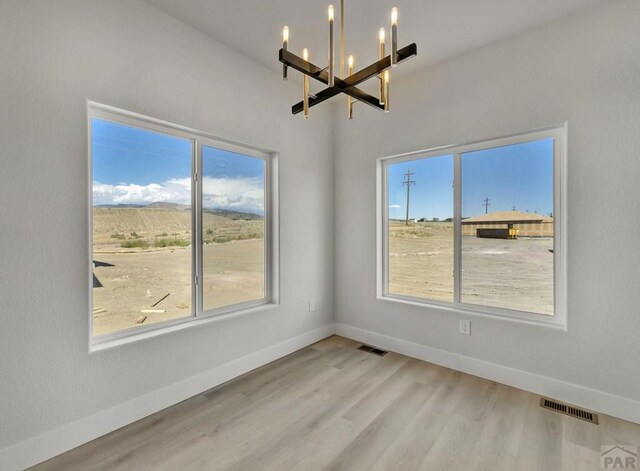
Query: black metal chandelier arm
[[318, 98], [322, 76], [306, 67], [327, 93]]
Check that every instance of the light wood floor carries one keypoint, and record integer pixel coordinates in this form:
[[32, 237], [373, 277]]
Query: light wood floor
[[332, 407]]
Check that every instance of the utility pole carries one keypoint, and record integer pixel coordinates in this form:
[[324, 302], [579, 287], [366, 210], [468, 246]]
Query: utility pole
[[486, 205], [513, 208], [408, 182]]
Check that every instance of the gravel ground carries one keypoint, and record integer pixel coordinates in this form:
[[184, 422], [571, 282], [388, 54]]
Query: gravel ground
[[512, 274]]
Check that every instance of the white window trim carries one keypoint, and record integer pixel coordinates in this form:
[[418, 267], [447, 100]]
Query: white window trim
[[271, 231], [559, 319]]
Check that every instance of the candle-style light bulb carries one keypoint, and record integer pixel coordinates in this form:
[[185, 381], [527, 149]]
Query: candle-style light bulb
[[394, 36], [285, 44], [330, 80], [386, 91], [381, 56], [349, 99], [305, 86]]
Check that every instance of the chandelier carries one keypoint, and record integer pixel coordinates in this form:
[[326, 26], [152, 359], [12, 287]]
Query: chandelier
[[349, 84]]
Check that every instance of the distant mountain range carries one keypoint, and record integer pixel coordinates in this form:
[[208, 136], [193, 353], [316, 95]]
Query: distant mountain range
[[235, 215], [156, 205], [229, 214]]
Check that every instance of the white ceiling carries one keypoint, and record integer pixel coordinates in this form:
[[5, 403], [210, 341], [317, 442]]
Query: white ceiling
[[441, 28]]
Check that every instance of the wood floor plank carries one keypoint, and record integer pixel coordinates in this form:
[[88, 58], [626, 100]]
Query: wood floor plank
[[541, 441], [331, 399], [370, 444], [379, 398], [332, 407], [420, 434]]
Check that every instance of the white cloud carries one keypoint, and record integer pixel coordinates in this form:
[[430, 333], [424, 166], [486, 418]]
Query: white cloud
[[174, 191], [394, 206], [239, 193], [233, 193]]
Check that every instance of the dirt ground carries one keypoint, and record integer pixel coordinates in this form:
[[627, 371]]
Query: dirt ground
[[143, 254], [234, 272], [512, 274], [421, 260]]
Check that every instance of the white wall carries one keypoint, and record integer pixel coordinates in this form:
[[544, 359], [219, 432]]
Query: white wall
[[584, 69], [53, 56]]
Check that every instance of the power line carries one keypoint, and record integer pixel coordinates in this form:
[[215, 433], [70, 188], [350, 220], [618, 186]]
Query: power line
[[486, 205], [408, 182]]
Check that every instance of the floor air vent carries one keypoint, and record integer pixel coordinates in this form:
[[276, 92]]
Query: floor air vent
[[374, 350], [569, 410]]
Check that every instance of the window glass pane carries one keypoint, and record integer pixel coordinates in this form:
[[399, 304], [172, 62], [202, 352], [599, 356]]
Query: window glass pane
[[507, 227], [142, 227], [420, 240], [233, 227]]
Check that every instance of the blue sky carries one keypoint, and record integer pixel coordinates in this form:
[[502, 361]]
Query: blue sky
[[519, 175], [123, 154], [134, 166], [432, 194]]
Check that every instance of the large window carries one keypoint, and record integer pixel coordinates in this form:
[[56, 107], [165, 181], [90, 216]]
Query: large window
[[477, 228], [180, 225]]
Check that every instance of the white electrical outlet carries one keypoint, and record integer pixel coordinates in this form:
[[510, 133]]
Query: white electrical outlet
[[312, 305], [465, 326]]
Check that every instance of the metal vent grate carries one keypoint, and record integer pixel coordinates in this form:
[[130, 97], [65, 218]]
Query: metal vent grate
[[374, 350], [569, 410]]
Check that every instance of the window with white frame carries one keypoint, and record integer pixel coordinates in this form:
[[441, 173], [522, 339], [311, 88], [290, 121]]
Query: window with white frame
[[180, 225], [477, 228]]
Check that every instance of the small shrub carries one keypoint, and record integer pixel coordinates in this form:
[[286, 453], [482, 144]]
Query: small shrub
[[118, 235], [135, 235], [135, 243], [171, 243]]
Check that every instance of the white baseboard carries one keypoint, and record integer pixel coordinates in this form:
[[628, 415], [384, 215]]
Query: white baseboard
[[595, 400], [38, 449]]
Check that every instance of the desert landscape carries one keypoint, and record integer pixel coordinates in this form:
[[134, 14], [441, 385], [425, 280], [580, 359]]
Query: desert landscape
[[143, 263], [511, 274]]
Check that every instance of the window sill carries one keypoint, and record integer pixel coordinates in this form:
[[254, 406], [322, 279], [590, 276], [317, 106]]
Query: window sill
[[126, 338], [555, 322]]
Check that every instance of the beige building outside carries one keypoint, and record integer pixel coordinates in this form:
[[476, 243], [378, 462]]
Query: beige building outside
[[528, 224]]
